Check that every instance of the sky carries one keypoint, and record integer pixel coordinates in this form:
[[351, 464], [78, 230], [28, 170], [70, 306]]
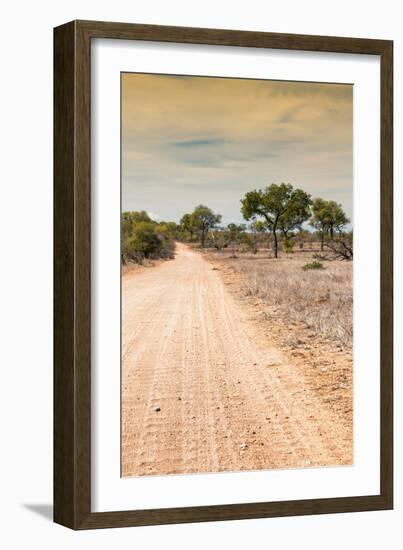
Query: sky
[[189, 140]]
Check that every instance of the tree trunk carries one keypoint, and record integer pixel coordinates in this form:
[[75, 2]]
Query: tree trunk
[[275, 244], [322, 240], [331, 232]]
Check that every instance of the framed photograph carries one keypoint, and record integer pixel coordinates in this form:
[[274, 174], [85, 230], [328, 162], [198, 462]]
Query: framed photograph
[[222, 275]]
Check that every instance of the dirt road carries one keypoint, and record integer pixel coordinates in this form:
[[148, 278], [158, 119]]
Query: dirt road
[[203, 391]]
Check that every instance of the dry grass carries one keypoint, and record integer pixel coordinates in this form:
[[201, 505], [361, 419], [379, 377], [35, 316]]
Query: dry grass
[[322, 298]]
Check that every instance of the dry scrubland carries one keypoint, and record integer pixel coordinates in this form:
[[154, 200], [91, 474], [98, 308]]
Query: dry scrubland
[[322, 299], [307, 314]]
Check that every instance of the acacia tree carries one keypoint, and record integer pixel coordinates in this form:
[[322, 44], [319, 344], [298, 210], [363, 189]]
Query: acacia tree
[[296, 215], [337, 218], [202, 220], [327, 217], [320, 219], [280, 205], [186, 224]]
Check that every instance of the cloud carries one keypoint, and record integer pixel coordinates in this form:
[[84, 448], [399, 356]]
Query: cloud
[[198, 142], [209, 140], [154, 216]]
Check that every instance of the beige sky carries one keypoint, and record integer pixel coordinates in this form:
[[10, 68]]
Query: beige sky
[[191, 140]]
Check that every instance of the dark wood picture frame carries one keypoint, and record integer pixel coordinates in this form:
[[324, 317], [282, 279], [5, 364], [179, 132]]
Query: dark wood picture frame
[[72, 269]]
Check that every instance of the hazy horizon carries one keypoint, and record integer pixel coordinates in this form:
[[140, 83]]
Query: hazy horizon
[[188, 140]]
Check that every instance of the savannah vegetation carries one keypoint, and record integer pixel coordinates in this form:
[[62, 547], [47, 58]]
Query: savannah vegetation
[[144, 238], [293, 252], [317, 294], [278, 217]]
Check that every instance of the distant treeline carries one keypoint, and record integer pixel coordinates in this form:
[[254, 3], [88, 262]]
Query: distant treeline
[[275, 217]]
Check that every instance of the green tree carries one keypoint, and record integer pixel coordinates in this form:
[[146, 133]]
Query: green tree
[[187, 225], [280, 205], [320, 219], [168, 229], [129, 221], [337, 218], [203, 220], [258, 226], [297, 213], [135, 217], [327, 217]]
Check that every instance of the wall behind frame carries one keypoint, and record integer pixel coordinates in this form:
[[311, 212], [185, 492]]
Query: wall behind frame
[[26, 274]]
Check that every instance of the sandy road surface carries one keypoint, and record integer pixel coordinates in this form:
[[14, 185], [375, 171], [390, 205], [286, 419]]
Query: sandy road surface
[[203, 391]]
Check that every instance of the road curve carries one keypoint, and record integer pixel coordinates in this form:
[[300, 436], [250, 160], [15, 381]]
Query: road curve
[[202, 391]]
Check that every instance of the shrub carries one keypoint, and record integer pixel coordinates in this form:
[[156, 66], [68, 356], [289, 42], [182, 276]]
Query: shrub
[[313, 265], [143, 238], [288, 246], [249, 242]]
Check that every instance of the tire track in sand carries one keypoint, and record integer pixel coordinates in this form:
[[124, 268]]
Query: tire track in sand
[[202, 391]]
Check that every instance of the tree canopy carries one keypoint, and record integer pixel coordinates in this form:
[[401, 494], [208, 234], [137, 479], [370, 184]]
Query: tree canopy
[[200, 222], [280, 205], [279, 209], [327, 217]]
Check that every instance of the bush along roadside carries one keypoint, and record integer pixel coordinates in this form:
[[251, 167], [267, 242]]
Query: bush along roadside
[[144, 238]]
